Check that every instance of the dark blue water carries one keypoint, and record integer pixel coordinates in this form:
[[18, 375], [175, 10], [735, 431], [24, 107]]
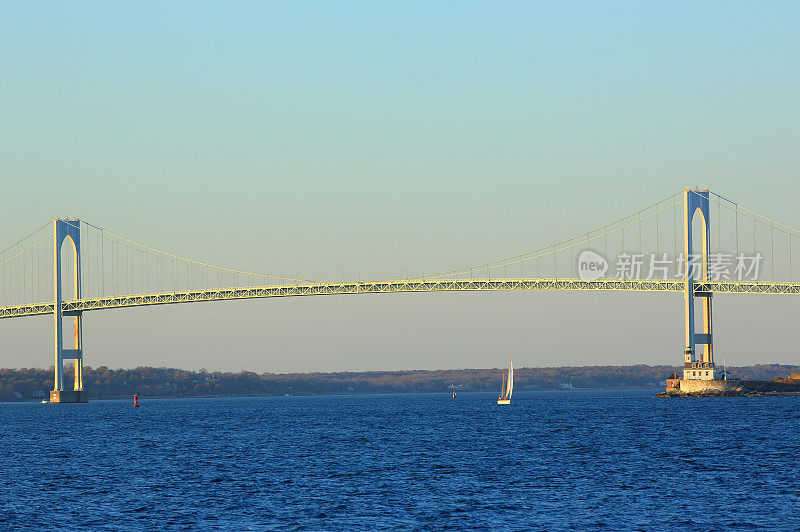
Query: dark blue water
[[619, 460]]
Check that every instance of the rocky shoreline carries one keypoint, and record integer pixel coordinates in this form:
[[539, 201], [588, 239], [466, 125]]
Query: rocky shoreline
[[724, 393], [733, 388]]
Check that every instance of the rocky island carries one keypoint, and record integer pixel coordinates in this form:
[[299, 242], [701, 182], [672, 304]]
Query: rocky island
[[732, 388]]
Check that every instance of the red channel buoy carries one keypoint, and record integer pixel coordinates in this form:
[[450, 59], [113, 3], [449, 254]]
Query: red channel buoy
[[135, 400]]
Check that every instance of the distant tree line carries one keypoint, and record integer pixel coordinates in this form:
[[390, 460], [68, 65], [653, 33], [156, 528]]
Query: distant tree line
[[103, 382]]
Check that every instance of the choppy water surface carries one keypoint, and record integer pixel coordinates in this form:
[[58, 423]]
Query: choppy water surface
[[621, 460]]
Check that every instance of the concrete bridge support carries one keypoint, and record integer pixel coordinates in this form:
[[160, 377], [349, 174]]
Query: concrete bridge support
[[67, 230], [696, 202]]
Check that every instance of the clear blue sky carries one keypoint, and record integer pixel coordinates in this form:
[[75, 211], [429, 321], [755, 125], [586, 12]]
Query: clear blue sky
[[321, 138]]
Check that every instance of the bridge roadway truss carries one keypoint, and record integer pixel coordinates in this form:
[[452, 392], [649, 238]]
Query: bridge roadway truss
[[71, 308]]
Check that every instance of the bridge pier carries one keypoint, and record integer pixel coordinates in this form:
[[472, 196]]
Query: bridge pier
[[694, 367], [67, 230]]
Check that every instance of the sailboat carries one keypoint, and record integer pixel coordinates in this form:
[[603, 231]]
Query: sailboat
[[508, 386]]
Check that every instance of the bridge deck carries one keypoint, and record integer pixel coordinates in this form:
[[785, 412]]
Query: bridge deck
[[318, 289]]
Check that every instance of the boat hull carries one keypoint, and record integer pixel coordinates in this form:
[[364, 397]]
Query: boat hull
[[504, 401]]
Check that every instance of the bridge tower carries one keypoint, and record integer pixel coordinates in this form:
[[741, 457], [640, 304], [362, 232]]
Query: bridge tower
[[67, 230], [696, 202]]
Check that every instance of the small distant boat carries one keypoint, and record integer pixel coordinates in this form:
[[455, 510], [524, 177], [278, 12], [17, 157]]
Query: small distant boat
[[454, 388], [44, 401], [508, 386]]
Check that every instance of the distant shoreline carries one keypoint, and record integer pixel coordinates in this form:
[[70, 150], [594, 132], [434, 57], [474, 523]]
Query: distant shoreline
[[105, 383]]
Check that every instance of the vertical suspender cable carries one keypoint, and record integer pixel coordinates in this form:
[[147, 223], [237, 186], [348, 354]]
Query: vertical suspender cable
[[675, 231], [50, 260], [736, 211], [99, 266], [640, 232], [571, 259], [657, 239]]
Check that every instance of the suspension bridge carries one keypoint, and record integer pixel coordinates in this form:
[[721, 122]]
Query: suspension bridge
[[655, 249]]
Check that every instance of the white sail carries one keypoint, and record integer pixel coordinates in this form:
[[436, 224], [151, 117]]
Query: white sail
[[510, 378]]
